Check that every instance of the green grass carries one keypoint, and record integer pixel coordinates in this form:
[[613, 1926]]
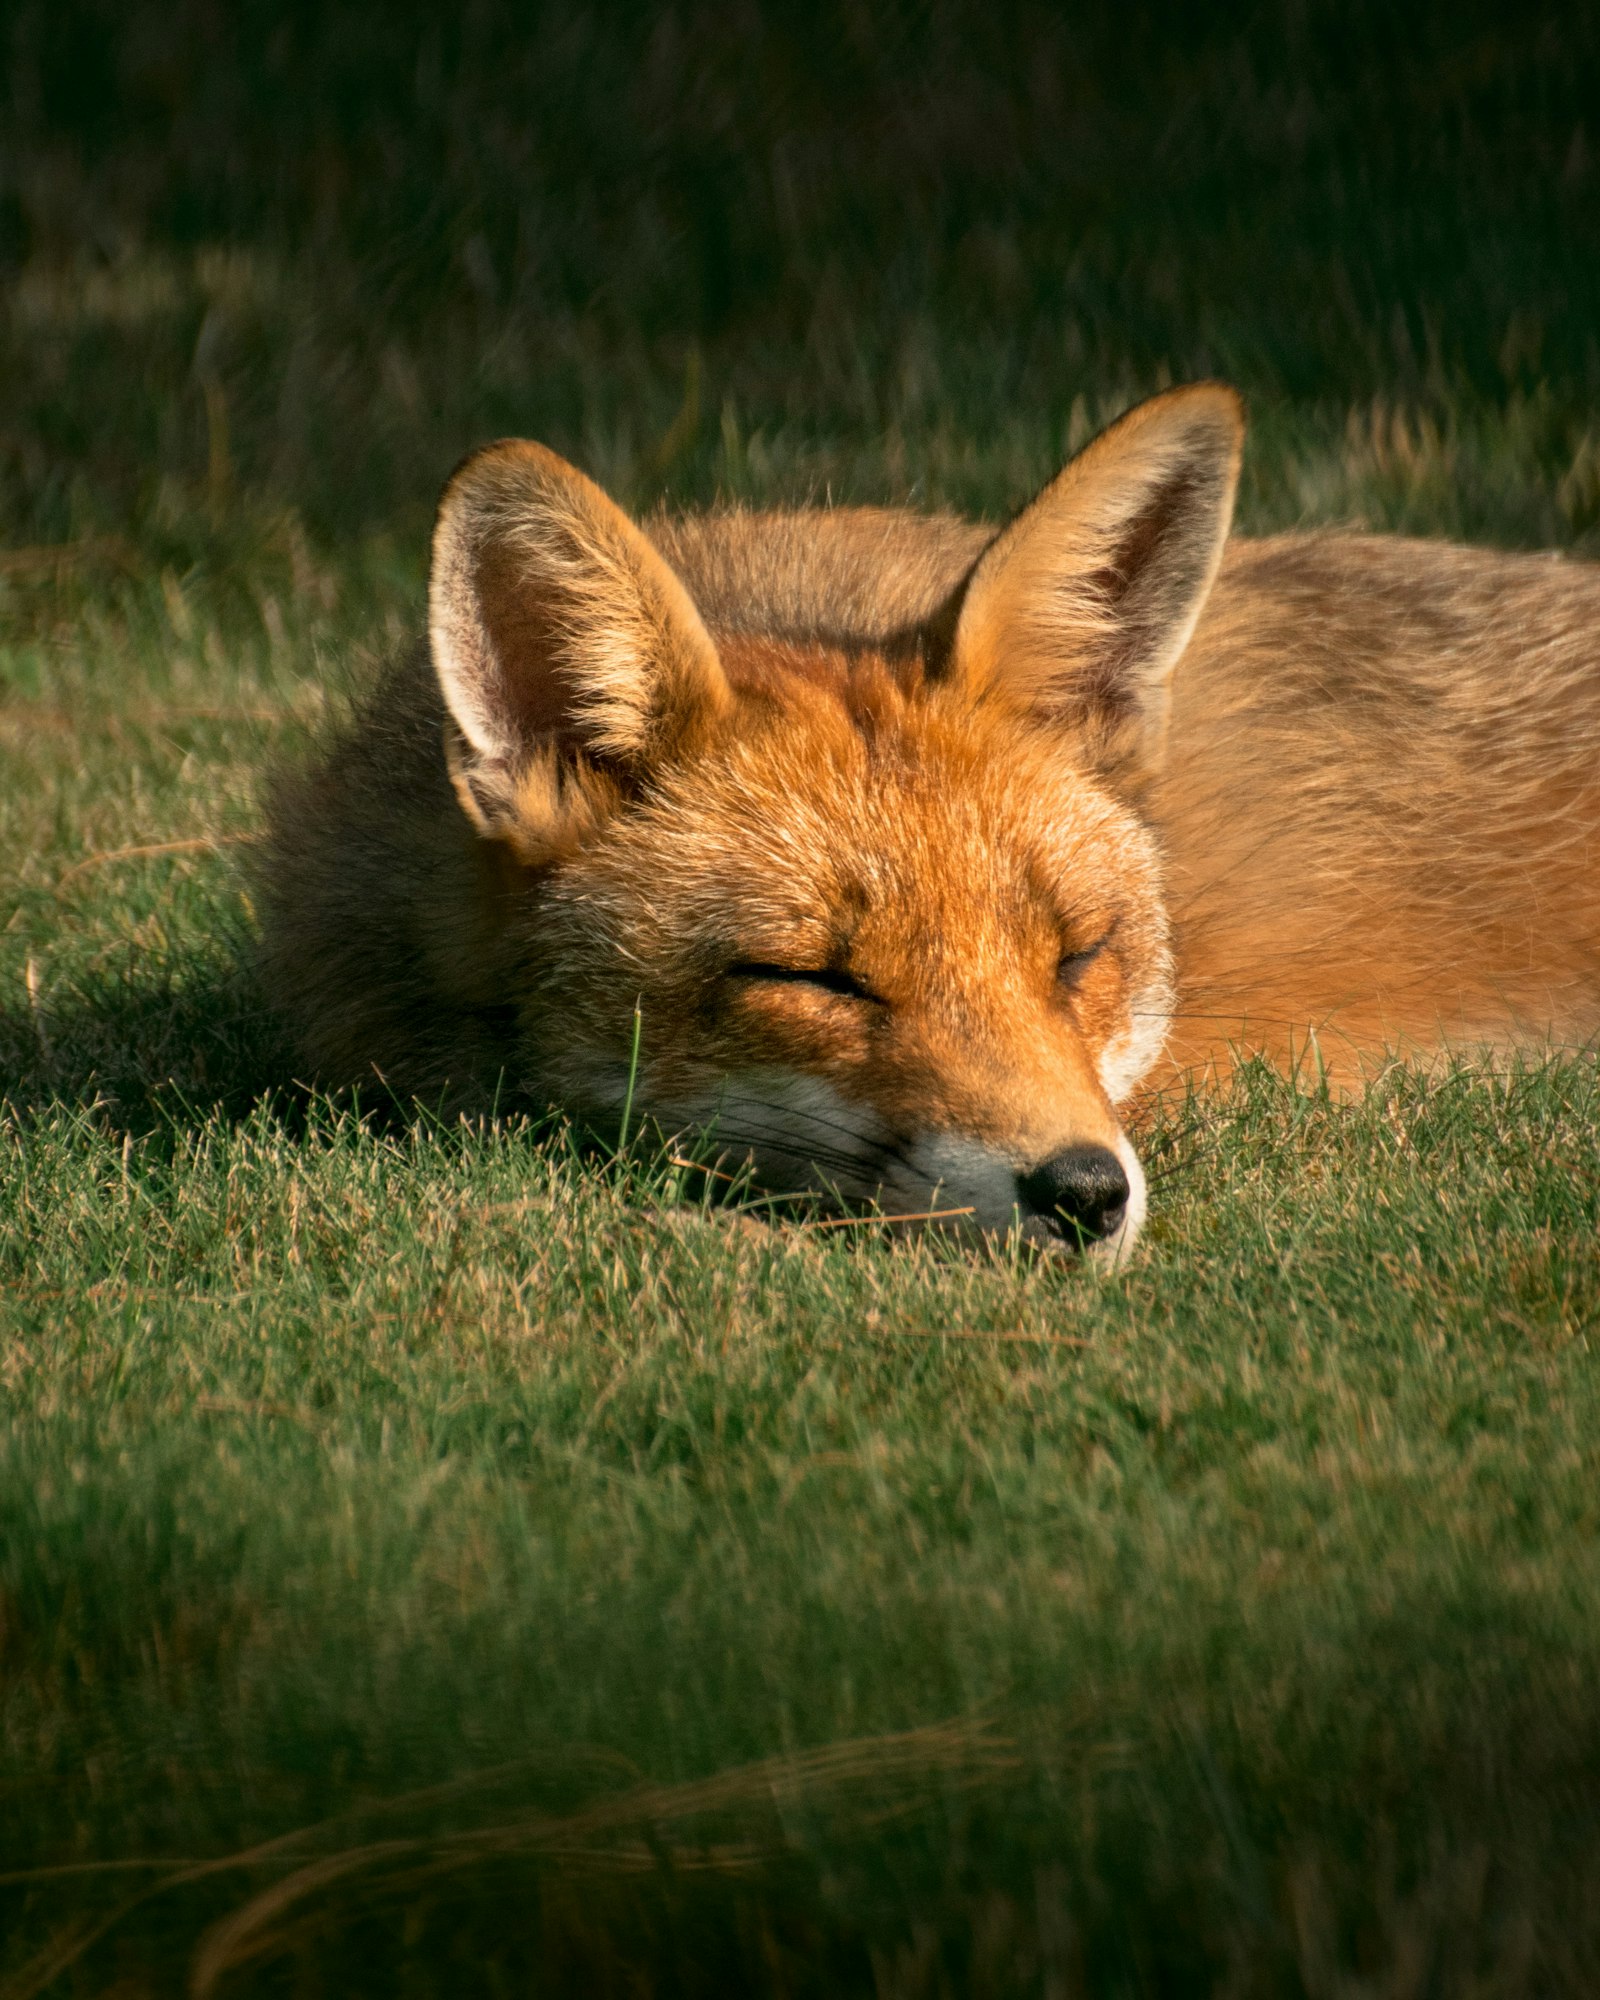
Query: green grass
[[434, 1561]]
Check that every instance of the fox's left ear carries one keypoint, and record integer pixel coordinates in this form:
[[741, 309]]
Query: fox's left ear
[[1080, 608]]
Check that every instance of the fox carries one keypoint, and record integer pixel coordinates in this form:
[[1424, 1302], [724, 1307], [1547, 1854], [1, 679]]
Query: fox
[[903, 859]]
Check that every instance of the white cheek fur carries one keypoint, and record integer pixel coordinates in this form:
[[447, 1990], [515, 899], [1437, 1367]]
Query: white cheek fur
[[1128, 1057], [1118, 1248]]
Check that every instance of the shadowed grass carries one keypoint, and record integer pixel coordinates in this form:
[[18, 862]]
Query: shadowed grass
[[344, 1463]]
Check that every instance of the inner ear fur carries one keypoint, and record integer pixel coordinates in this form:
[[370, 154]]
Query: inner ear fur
[[569, 654], [1079, 610]]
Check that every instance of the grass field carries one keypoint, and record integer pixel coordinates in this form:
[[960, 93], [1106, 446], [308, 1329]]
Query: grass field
[[434, 1562]]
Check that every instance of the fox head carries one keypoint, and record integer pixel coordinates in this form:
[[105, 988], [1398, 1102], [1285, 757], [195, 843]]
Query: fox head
[[885, 921]]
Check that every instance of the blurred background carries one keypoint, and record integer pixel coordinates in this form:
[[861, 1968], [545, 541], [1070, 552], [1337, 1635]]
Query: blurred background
[[269, 268]]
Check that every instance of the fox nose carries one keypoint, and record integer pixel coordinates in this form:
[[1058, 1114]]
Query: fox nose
[[1081, 1190]]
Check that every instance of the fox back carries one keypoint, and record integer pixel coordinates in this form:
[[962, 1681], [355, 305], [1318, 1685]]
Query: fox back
[[899, 854]]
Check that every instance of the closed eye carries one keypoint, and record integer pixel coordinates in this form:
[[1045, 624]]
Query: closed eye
[[826, 977], [1074, 964]]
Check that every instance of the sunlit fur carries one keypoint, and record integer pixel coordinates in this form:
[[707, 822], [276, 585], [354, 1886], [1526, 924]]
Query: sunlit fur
[[1380, 807], [935, 850], [1368, 816]]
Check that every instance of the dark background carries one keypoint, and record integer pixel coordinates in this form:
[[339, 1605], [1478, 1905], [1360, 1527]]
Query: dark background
[[306, 255]]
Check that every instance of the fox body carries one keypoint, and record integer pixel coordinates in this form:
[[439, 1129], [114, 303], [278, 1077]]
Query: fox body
[[901, 854]]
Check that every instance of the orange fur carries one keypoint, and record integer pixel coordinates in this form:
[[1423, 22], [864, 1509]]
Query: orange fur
[[1381, 804], [889, 825]]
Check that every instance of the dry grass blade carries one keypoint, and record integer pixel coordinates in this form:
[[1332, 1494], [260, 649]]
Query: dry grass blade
[[244, 1934], [64, 1949], [629, 1833], [698, 1167], [200, 845], [885, 1221], [70, 1944], [30, 979]]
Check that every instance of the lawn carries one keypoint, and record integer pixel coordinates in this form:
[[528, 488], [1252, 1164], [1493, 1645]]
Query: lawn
[[436, 1561]]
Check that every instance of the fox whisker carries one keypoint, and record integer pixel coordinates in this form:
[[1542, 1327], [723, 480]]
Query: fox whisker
[[731, 1139], [892, 1149]]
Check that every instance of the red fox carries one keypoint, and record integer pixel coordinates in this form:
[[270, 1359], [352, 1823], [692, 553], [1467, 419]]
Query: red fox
[[900, 854]]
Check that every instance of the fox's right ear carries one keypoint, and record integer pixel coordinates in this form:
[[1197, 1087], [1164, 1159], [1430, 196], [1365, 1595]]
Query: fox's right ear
[[1079, 610], [570, 656]]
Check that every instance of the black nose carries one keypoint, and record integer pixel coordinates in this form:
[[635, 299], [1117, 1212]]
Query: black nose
[[1081, 1189]]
